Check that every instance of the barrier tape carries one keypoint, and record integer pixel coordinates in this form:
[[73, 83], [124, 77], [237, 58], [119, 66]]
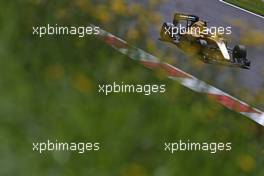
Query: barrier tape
[[182, 77]]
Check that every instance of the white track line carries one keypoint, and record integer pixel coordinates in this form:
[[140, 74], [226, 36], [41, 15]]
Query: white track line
[[252, 13]]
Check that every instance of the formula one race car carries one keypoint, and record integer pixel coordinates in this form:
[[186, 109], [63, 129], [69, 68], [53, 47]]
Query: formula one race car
[[195, 38]]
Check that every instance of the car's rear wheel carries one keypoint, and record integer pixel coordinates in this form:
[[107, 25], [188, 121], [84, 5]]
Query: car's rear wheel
[[164, 33]]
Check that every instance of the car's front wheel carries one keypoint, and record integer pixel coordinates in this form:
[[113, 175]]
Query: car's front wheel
[[239, 52], [240, 55], [247, 63]]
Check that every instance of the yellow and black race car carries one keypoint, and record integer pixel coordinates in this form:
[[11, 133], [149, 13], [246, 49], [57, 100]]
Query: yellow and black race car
[[194, 37]]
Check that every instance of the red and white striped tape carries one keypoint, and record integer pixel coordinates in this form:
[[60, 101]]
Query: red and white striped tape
[[182, 77]]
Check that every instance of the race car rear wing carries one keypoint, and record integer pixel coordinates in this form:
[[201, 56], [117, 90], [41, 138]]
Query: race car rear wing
[[181, 16]]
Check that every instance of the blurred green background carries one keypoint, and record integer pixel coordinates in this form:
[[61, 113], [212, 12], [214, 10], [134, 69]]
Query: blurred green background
[[255, 6], [49, 90]]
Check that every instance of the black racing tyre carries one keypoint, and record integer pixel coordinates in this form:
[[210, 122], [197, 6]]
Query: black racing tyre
[[163, 35], [240, 52], [247, 63]]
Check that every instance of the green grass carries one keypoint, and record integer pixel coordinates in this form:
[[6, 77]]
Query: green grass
[[256, 6]]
